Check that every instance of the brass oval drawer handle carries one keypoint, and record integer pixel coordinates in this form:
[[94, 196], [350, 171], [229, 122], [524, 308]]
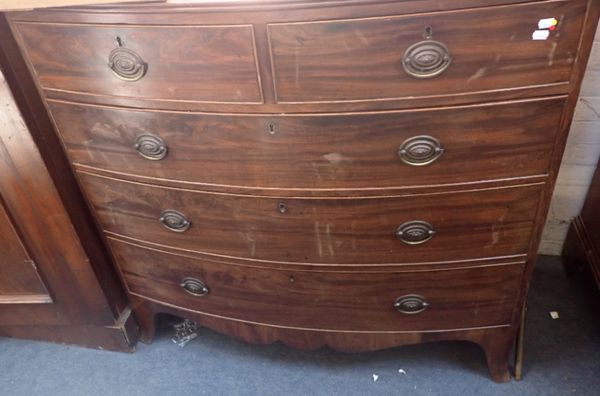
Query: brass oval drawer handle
[[125, 63], [420, 150], [174, 220], [411, 304], [194, 286], [415, 232], [151, 147], [426, 59]]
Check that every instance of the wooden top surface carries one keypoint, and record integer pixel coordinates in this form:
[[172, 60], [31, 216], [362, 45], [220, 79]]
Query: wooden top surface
[[18, 5], [14, 5]]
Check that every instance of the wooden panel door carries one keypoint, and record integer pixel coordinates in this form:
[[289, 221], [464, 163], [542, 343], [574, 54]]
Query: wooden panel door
[[20, 281], [36, 235], [56, 280]]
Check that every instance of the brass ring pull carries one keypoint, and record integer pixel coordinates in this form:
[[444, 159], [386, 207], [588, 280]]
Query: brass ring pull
[[194, 287], [426, 59], [415, 232], [174, 221], [151, 147], [125, 63], [411, 304], [420, 150]]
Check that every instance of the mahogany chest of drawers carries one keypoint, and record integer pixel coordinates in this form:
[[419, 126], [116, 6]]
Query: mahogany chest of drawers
[[360, 174]]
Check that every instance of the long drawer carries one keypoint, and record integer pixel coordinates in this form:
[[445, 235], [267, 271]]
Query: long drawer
[[397, 229], [427, 54], [326, 300], [188, 63], [314, 152]]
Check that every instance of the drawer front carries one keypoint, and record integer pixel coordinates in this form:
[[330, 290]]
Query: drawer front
[[193, 63], [354, 301], [428, 54], [360, 151], [467, 225]]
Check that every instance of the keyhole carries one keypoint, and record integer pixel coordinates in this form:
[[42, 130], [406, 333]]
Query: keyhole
[[120, 42], [282, 207], [428, 33], [271, 128], [292, 279]]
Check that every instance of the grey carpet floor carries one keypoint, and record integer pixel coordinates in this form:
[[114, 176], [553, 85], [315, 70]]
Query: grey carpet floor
[[562, 358]]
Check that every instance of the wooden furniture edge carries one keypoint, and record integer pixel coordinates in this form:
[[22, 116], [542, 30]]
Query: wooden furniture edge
[[120, 337], [580, 251], [116, 328], [308, 340], [42, 131]]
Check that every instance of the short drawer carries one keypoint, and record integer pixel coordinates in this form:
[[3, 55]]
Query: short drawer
[[346, 151], [325, 300], [396, 229], [425, 55], [190, 63]]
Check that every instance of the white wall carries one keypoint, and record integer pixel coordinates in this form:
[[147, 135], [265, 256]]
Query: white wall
[[579, 161]]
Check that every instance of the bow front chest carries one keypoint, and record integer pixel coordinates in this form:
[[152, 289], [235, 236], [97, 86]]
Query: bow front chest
[[360, 174]]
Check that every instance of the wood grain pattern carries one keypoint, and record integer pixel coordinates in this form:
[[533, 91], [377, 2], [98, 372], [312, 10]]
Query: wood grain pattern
[[310, 152], [259, 14], [120, 337], [192, 63], [334, 57], [468, 225], [19, 278], [79, 291], [12, 5], [325, 300], [366, 61], [528, 92], [495, 341], [28, 195], [255, 11], [387, 267]]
